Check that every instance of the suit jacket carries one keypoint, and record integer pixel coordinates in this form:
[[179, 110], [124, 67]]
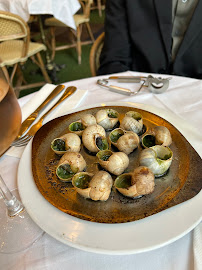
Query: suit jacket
[[138, 36]]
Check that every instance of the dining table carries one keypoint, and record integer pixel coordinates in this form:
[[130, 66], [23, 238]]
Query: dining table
[[62, 10], [175, 241]]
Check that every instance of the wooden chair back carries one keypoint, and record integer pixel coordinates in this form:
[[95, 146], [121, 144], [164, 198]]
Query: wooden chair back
[[95, 53], [16, 48], [14, 27], [86, 5]]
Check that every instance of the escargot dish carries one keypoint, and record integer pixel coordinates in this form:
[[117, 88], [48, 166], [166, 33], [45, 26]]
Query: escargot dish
[[107, 118], [137, 183], [96, 188], [94, 138], [81, 182], [115, 163], [69, 142], [88, 120], [77, 127], [85, 121], [157, 158], [158, 135], [69, 164], [132, 121], [125, 141], [116, 174]]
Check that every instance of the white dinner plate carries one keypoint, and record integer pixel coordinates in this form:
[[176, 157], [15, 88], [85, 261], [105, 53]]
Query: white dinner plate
[[126, 238]]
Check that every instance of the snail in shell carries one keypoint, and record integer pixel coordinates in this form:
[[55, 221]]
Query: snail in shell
[[107, 118], [88, 120], [157, 158], [94, 138], [81, 182], [95, 187], [69, 164], [137, 183], [115, 163], [125, 141], [79, 126], [132, 121], [158, 135], [67, 143]]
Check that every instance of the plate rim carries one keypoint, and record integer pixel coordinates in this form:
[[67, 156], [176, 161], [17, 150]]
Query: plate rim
[[79, 225]]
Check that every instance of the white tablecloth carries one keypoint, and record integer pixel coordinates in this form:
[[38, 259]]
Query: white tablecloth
[[62, 10], [183, 98]]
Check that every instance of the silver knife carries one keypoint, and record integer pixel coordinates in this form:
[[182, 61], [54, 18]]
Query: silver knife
[[30, 119]]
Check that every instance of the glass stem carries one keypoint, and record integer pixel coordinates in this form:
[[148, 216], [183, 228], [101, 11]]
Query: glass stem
[[13, 205]]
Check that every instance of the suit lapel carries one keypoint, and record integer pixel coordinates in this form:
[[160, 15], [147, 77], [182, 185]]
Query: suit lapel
[[193, 30], [164, 15]]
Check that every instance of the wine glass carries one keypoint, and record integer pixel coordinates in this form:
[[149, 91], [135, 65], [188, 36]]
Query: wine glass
[[17, 230]]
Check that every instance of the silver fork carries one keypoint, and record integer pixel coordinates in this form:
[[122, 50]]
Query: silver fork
[[22, 141]]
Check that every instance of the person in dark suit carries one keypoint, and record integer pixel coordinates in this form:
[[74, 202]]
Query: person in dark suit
[[158, 36]]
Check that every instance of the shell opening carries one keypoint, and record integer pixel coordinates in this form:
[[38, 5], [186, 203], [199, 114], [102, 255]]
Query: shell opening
[[65, 171], [123, 181], [112, 114], [148, 141], [101, 143], [165, 157], [163, 153], [76, 126], [82, 181], [104, 155], [58, 145], [137, 116], [115, 135]]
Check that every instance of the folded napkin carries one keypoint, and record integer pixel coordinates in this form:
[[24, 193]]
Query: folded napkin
[[70, 103]]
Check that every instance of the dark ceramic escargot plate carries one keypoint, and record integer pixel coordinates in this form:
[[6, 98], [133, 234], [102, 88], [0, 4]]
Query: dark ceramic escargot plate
[[181, 182]]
